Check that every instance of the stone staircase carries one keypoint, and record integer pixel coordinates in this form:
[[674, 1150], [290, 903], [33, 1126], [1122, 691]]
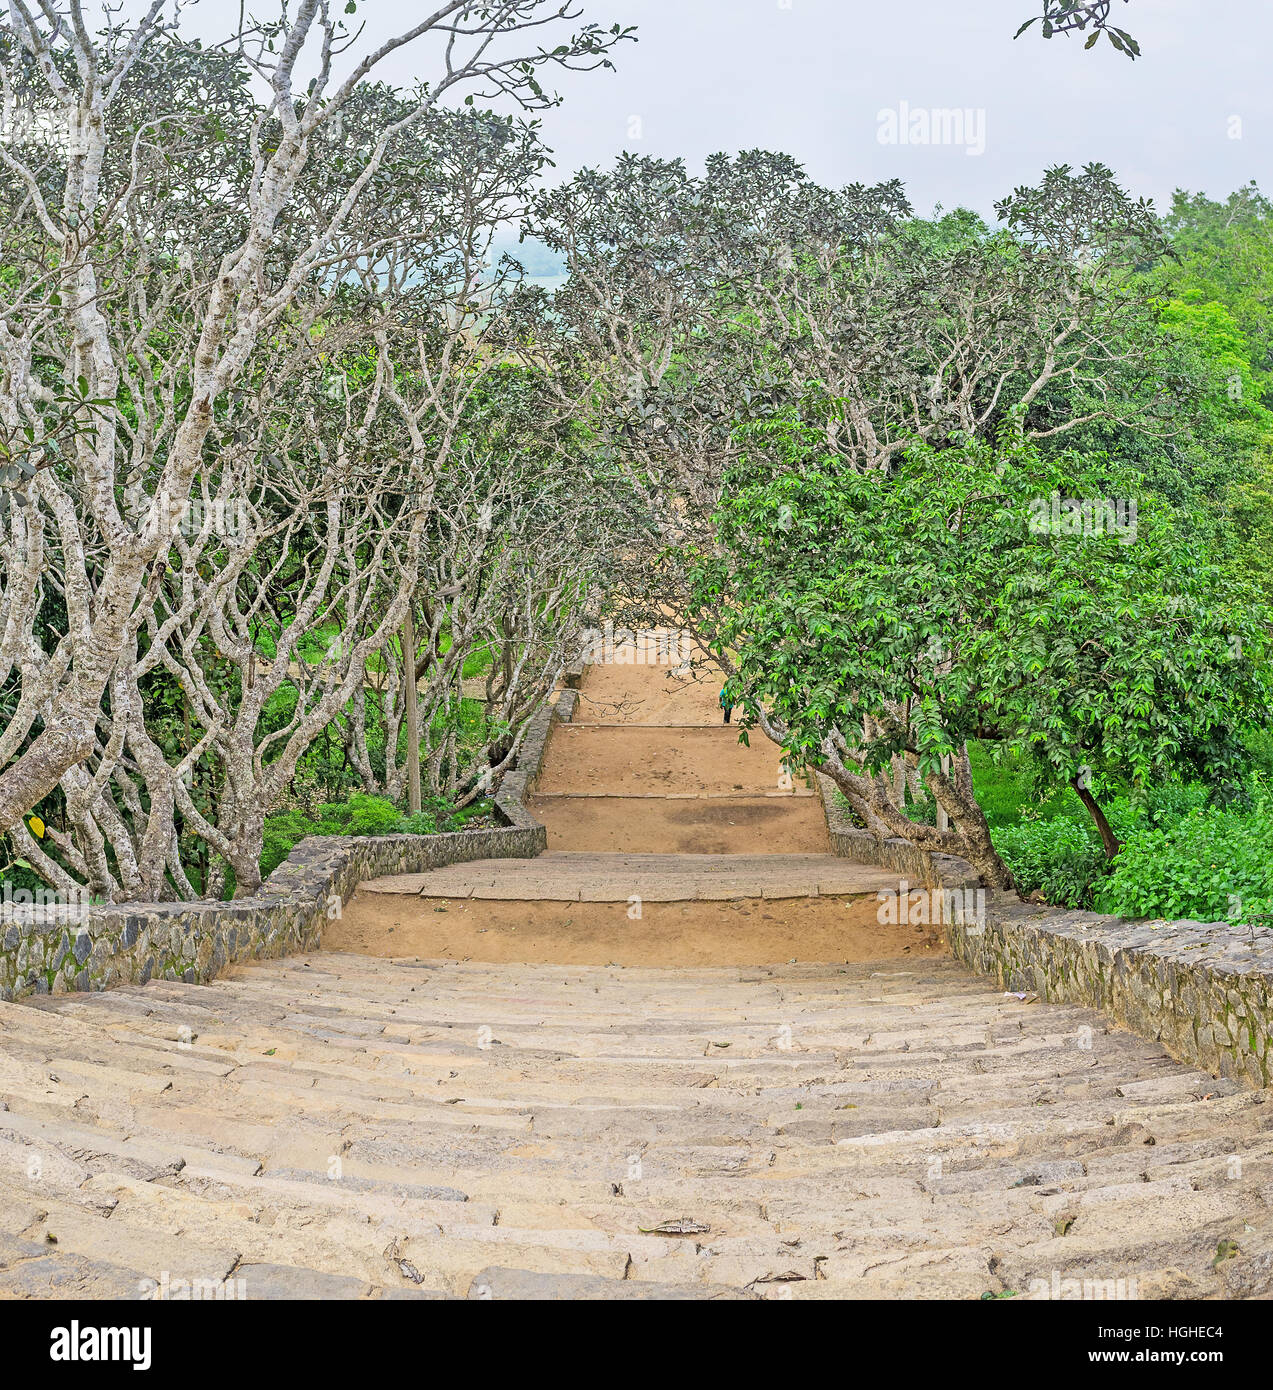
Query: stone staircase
[[345, 1126], [647, 765], [334, 1126]]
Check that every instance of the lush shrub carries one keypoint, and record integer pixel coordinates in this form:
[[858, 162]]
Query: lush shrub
[[1181, 857], [362, 815], [1155, 808], [1190, 849], [359, 815], [1058, 857], [1212, 865], [1009, 789], [437, 815]]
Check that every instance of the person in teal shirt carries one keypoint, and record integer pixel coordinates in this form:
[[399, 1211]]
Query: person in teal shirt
[[726, 703]]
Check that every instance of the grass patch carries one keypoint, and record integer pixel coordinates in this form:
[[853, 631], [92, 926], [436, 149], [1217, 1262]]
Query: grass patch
[[361, 814]]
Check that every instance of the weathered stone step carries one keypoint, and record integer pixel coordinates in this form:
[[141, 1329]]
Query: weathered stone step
[[116, 1240], [919, 1284], [1189, 1246], [216, 1176], [563, 877], [90, 1151], [909, 1133], [344, 1239], [499, 1283], [29, 1269]]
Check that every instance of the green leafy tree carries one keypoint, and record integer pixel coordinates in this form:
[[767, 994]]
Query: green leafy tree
[[1224, 251], [1218, 307], [975, 592]]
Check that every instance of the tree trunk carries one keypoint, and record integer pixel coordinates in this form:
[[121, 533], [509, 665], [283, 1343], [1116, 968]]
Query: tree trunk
[[899, 781], [969, 840], [66, 740], [411, 694], [1110, 841], [247, 871], [245, 853]]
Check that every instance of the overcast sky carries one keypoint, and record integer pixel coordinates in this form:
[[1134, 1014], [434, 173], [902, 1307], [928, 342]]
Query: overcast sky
[[812, 77]]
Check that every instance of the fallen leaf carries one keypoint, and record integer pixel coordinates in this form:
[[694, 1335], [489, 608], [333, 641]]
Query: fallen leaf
[[683, 1226]]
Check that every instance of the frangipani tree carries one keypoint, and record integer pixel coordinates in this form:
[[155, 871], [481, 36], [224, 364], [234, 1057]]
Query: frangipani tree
[[696, 305], [154, 236], [365, 469]]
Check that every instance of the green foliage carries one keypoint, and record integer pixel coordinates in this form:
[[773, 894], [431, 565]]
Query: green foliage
[[1260, 752], [362, 815], [1212, 865], [1061, 858], [437, 815], [1011, 789], [1225, 254], [1210, 328], [1125, 656], [1214, 317], [1183, 855], [1217, 289], [1159, 806]]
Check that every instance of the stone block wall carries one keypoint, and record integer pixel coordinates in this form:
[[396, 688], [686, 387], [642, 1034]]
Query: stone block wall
[[1202, 990]]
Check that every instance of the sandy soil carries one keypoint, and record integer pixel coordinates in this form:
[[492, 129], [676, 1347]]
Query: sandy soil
[[614, 694], [753, 825], [660, 762], [669, 934]]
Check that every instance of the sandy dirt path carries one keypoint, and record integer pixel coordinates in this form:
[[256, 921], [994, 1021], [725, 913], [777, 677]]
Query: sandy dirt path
[[651, 766]]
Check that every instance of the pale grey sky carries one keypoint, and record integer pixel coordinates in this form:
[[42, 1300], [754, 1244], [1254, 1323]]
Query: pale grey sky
[[811, 77]]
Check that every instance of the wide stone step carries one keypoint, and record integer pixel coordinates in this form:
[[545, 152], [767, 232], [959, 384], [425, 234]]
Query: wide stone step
[[661, 761], [371, 1245], [738, 823], [499, 1283], [32, 1270], [583, 877]]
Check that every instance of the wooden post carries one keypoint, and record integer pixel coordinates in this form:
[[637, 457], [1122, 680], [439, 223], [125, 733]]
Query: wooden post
[[412, 697]]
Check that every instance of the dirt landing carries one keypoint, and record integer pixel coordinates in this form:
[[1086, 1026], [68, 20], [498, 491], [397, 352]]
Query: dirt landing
[[738, 825], [658, 762], [621, 694], [751, 932]]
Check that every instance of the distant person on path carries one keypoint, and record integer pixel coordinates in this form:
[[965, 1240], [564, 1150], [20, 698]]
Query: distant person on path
[[726, 704]]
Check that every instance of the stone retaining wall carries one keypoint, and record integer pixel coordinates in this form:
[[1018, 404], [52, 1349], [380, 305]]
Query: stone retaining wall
[[64, 949], [1202, 990]]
